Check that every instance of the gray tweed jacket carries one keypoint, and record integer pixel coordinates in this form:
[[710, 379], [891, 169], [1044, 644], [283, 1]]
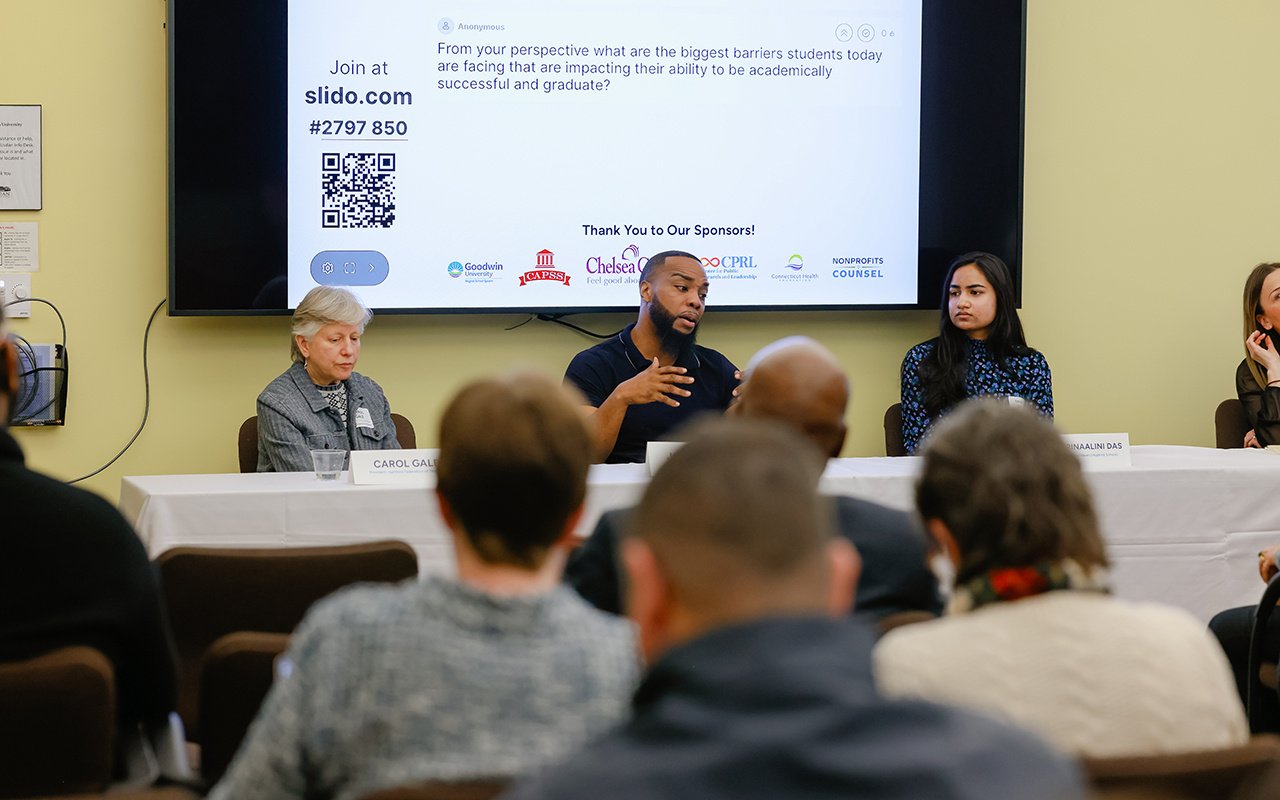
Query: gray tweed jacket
[[294, 419]]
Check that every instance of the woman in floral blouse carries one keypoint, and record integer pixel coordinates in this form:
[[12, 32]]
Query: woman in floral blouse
[[980, 350]]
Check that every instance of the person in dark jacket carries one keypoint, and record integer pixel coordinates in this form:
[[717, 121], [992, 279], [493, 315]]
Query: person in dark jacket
[[759, 683], [75, 573], [799, 382]]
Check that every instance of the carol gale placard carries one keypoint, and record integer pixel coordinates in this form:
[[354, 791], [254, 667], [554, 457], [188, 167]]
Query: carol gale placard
[[20, 158]]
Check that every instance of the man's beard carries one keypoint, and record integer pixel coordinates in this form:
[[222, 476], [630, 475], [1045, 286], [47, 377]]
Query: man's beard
[[669, 339]]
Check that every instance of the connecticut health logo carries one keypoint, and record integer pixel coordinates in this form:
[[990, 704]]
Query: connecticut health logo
[[796, 262], [455, 269]]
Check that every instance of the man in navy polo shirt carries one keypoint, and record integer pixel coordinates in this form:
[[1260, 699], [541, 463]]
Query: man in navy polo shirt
[[652, 376]]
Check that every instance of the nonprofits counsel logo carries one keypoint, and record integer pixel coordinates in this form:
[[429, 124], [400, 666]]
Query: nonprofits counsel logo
[[545, 271], [857, 267], [455, 269]]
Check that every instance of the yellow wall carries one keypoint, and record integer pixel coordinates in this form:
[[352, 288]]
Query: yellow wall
[[1152, 178]]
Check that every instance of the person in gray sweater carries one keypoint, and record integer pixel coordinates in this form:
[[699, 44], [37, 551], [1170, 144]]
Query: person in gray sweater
[[486, 676]]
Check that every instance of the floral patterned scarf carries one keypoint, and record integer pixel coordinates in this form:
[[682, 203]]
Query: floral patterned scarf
[[1015, 583]]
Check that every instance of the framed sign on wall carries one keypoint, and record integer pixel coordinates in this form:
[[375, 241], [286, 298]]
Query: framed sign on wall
[[20, 158]]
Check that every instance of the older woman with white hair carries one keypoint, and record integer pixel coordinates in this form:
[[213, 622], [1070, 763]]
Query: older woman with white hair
[[321, 403]]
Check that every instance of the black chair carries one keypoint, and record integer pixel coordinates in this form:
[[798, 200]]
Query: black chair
[[893, 445], [57, 723], [1230, 424], [1261, 662], [235, 675], [247, 444]]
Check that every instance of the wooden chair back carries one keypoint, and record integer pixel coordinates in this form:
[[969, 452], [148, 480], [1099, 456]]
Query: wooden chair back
[[57, 723], [247, 440], [236, 673], [212, 591], [247, 444], [1236, 773], [1230, 424], [893, 445]]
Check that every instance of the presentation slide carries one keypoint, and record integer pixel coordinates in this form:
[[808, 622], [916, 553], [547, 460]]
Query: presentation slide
[[514, 155]]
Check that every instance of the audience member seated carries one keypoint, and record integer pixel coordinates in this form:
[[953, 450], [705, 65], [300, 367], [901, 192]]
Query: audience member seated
[[484, 677], [75, 573], [798, 382], [321, 403], [980, 350], [653, 376], [1234, 627], [1032, 634], [1258, 376], [759, 683]]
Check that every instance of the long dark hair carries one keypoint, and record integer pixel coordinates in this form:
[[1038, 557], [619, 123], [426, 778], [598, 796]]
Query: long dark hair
[[942, 371]]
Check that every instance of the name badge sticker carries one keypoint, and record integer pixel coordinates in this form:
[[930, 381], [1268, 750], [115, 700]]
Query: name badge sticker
[[363, 418], [1101, 450]]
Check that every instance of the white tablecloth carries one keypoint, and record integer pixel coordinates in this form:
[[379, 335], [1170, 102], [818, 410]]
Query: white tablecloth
[[1183, 525]]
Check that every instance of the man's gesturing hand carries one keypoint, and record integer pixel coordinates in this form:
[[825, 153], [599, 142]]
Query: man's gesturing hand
[[656, 384]]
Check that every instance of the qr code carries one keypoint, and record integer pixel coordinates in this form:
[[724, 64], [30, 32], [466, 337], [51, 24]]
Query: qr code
[[358, 190]]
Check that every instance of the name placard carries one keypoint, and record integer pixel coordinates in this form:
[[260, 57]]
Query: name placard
[[658, 452], [375, 467], [1101, 450]]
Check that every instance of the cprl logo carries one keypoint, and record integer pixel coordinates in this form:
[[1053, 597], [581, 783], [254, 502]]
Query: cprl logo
[[630, 263], [729, 262]]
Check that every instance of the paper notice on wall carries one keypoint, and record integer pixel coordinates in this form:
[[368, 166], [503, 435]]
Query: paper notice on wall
[[19, 247], [20, 158]]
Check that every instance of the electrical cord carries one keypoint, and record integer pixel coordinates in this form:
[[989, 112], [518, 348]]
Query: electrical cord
[[19, 416], [21, 413], [559, 320], [146, 402], [28, 391], [61, 321]]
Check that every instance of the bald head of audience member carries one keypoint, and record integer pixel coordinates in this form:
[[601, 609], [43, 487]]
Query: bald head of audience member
[[512, 471], [799, 382], [731, 529]]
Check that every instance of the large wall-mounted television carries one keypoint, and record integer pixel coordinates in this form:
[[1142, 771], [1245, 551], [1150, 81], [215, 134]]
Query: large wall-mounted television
[[494, 155]]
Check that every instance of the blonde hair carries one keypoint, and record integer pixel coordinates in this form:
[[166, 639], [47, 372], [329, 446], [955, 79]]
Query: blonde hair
[[322, 306], [1252, 308]]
